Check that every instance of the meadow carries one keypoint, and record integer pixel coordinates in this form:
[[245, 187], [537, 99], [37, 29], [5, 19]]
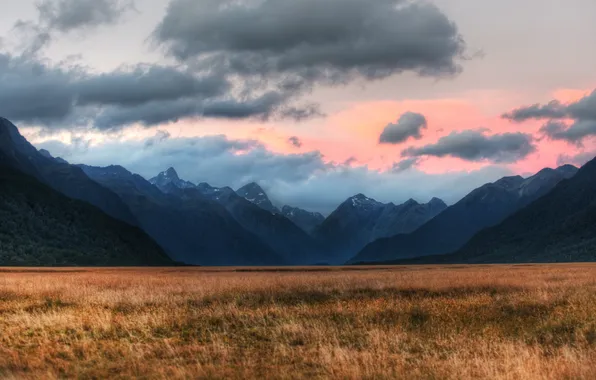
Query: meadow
[[420, 322]]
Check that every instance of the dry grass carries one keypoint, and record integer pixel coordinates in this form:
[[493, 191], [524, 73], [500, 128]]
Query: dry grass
[[498, 322]]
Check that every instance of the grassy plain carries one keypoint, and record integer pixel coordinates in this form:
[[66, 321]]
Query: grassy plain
[[424, 322]]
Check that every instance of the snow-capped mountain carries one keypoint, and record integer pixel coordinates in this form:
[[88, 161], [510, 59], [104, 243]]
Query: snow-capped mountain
[[170, 177], [306, 220], [360, 220], [484, 207], [255, 194]]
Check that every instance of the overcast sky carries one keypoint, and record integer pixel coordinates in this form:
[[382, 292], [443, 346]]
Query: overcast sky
[[316, 100]]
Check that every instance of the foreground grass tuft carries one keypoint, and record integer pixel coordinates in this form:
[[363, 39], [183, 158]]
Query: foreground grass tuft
[[498, 322]]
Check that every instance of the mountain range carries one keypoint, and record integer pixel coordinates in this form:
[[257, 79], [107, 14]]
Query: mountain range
[[559, 227], [254, 214], [360, 220], [192, 229], [483, 207], [55, 213]]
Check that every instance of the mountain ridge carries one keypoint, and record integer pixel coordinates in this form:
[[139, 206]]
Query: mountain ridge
[[483, 207], [195, 231], [359, 220]]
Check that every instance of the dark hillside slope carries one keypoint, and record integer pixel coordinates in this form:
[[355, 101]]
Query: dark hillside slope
[[41, 227], [559, 227], [58, 174]]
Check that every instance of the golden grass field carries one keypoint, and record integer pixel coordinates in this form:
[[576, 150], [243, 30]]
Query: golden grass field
[[426, 322]]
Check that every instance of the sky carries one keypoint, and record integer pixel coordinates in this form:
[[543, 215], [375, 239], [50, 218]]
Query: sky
[[316, 100]]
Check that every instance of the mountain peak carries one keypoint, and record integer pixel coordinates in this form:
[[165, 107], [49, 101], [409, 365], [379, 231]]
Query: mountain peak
[[251, 188], [11, 138], [45, 153], [411, 202], [510, 182], [360, 200], [170, 177], [306, 220], [6, 124], [254, 193], [170, 174], [437, 201], [567, 170]]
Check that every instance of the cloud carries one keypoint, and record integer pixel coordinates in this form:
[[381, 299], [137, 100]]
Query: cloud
[[308, 111], [159, 137], [305, 180], [552, 110], [409, 125], [154, 113], [64, 96], [476, 146], [584, 109], [251, 59], [69, 15], [36, 93], [405, 164], [582, 114], [141, 84], [579, 159], [574, 133], [313, 40], [295, 141]]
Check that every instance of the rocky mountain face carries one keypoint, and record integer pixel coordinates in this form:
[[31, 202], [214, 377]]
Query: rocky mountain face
[[306, 220], [255, 194], [483, 207], [168, 177], [360, 220], [405, 218], [284, 237], [193, 230]]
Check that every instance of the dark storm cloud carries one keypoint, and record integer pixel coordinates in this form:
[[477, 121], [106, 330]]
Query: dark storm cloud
[[330, 40], [582, 114], [476, 146], [584, 109], [574, 133], [552, 110], [250, 59], [152, 113], [35, 93], [147, 83], [301, 113], [61, 96], [409, 125], [68, 15], [295, 141]]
